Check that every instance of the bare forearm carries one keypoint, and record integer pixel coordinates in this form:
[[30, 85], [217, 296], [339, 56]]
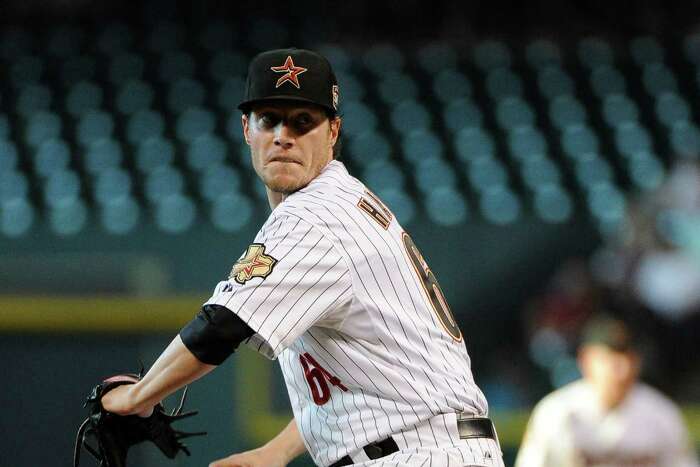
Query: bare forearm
[[175, 368], [289, 442]]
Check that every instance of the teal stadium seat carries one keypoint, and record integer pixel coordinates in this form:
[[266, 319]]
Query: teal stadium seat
[[51, 156], [435, 57], [103, 154], [125, 67], [154, 152], [194, 122], [82, 97], [143, 125], [369, 146], [42, 126], [543, 53], [134, 96], [94, 125], [492, 54], [446, 206]]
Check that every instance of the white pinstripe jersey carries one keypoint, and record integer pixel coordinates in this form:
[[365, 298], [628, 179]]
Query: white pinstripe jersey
[[335, 288]]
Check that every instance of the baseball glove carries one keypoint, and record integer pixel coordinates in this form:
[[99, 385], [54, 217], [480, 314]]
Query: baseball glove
[[112, 435]]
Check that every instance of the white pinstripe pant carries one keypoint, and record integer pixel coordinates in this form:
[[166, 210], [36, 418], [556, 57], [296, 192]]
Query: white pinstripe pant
[[436, 443]]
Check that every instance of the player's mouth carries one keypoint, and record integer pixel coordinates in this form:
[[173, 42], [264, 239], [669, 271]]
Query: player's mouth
[[284, 159]]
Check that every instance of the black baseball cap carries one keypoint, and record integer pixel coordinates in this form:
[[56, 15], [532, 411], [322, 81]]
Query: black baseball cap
[[610, 332], [293, 75]]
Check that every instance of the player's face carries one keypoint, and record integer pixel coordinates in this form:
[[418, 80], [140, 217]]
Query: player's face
[[290, 143], [610, 372]]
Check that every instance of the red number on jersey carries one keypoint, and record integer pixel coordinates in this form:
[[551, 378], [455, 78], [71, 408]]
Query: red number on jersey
[[316, 377]]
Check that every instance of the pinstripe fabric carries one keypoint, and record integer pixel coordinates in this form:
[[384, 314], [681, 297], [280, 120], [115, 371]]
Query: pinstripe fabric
[[345, 296]]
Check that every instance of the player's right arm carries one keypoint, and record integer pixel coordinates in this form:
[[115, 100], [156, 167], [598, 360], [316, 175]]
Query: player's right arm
[[278, 452]]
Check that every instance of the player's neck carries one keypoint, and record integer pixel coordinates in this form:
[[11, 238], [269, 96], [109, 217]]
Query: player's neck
[[274, 197]]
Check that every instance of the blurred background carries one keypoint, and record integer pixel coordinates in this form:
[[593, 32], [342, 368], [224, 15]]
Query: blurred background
[[543, 155]]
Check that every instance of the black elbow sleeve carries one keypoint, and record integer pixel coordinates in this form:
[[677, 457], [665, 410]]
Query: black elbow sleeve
[[214, 334]]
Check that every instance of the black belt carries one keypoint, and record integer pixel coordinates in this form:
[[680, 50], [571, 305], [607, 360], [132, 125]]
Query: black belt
[[468, 428]]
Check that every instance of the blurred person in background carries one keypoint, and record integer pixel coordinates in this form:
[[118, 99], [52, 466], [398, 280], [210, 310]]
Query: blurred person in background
[[608, 418]]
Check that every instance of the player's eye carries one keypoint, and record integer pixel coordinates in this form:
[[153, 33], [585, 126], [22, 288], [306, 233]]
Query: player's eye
[[268, 120]]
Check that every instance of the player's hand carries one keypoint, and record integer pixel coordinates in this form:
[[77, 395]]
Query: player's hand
[[260, 457], [117, 401]]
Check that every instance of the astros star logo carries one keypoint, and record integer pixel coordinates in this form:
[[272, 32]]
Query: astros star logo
[[255, 263], [291, 72]]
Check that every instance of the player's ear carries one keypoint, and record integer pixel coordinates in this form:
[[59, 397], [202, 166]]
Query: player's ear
[[244, 122], [335, 124]]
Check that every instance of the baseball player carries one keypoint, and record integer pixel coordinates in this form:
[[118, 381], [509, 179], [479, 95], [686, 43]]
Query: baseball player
[[608, 418], [333, 288]]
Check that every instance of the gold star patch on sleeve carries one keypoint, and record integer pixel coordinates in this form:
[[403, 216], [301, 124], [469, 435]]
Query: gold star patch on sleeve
[[254, 263]]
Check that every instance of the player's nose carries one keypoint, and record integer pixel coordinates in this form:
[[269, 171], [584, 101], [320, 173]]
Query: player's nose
[[284, 136]]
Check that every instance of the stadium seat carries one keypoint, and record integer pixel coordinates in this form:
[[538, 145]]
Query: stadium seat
[[175, 213], [450, 84], [111, 184], [230, 93], [646, 49], [115, 38], [62, 187], [163, 181], [485, 172], [231, 212], [383, 174], [25, 70], [51, 156], [102, 154], [645, 170], [420, 144], [120, 216], [492, 54], [16, 217], [204, 151], [32, 99], [594, 52], [513, 112], [577, 140], [133, 96], [125, 67], [42, 126], [4, 127], [590, 169], [369, 146], [227, 64], [94, 125], [472, 142], [8, 155], [671, 108], [69, 217], [502, 82], [394, 87], [77, 68], [165, 37], [175, 65], [658, 79], [83, 97], [499, 205], [552, 203], [543, 53], [618, 109], [380, 59], [437, 56], [565, 111], [193, 123], [13, 185], [400, 203], [154, 152], [429, 174], [358, 118], [410, 114], [606, 80], [553, 81], [632, 137], [445, 205], [526, 141], [536, 171], [185, 93], [144, 124], [219, 179], [461, 113], [685, 140], [64, 42]]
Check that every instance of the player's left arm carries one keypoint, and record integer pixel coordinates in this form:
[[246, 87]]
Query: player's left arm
[[202, 345], [176, 367]]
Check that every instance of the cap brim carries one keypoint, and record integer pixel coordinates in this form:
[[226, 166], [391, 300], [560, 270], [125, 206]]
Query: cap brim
[[245, 106]]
